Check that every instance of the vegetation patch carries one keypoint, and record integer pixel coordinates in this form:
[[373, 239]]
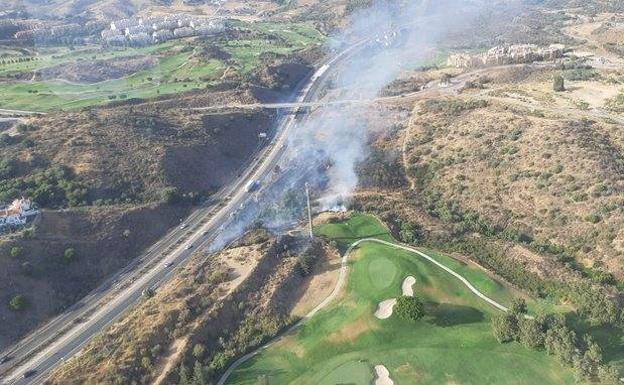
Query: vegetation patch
[[453, 106], [409, 308]]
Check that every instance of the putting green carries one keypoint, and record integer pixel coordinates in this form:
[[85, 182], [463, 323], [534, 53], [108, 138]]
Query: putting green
[[453, 343], [351, 373], [382, 271]]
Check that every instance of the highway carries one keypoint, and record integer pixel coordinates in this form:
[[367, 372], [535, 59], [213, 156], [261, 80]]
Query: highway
[[64, 336]]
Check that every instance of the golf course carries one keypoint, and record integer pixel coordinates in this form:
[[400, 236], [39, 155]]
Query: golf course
[[452, 344], [178, 66]]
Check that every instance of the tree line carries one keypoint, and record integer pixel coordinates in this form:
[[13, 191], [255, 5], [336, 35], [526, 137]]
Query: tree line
[[552, 334]]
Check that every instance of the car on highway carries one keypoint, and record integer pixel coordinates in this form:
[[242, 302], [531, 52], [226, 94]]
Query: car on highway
[[188, 247], [252, 186], [184, 225], [29, 373], [168, 264], [205, 232], [5, 359]]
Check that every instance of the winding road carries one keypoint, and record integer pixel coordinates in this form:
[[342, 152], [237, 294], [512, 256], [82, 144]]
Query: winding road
[[342, 277]]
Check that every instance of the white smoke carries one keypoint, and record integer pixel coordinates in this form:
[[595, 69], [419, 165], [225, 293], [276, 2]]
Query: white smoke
[[325, 150], [401, 35]]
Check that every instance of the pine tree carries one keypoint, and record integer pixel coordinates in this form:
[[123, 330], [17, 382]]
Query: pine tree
[[185, 376], [198, 374], [558, 83]]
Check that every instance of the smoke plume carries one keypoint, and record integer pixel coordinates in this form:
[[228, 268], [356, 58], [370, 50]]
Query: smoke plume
[[326, 147]]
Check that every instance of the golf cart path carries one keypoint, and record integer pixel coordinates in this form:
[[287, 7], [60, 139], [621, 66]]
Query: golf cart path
[[340, 283]]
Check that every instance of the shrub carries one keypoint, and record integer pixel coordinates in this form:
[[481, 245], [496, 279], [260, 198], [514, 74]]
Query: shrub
[[453, 106], [69, 255], [409, 308], [558, 83], [198, 351], [381, 169], [17, 252], [531, 333], [518, 306], [170, 195], [410, 232], [18, 303], [505, 327]]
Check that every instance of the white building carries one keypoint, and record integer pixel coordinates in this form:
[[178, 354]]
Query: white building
[[162, 35], [17, 213], [183, 32], [137, 29]]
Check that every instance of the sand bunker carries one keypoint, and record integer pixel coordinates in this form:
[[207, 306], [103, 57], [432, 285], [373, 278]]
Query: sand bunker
[[384, 309], [408, 282], [383, 376]]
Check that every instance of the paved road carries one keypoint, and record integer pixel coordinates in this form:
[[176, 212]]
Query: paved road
[[68, 333], [4, 111], [342, 277], [453, 85]]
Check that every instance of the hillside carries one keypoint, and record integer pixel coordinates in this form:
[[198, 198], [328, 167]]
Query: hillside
[[217, 307], [120, 157], [489, 165]]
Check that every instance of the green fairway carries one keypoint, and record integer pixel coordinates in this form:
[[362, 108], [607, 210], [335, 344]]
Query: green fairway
[[452, 344], [286, 39]]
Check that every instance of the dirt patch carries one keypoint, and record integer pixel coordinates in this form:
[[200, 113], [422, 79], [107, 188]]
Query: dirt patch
[[350, 332], [320, 284], [92, 71], [205, 167], [168, 362]]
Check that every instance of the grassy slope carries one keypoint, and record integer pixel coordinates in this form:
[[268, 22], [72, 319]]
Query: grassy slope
[[453, 343]]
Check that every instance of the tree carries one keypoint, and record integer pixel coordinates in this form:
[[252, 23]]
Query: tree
[[170, 195], [588, 364], [18, 303], [198, 351], [518, 306], [199, 378], [17, 252], [185, 376], [69, 255], [531, 333], [505, 327], [146, 362], [409, 308], [560, 341], [410, 232], [608, 375], [558, 83]]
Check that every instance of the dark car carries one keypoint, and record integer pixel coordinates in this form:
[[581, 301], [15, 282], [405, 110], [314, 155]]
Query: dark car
[[29, 373], [5, 359]]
